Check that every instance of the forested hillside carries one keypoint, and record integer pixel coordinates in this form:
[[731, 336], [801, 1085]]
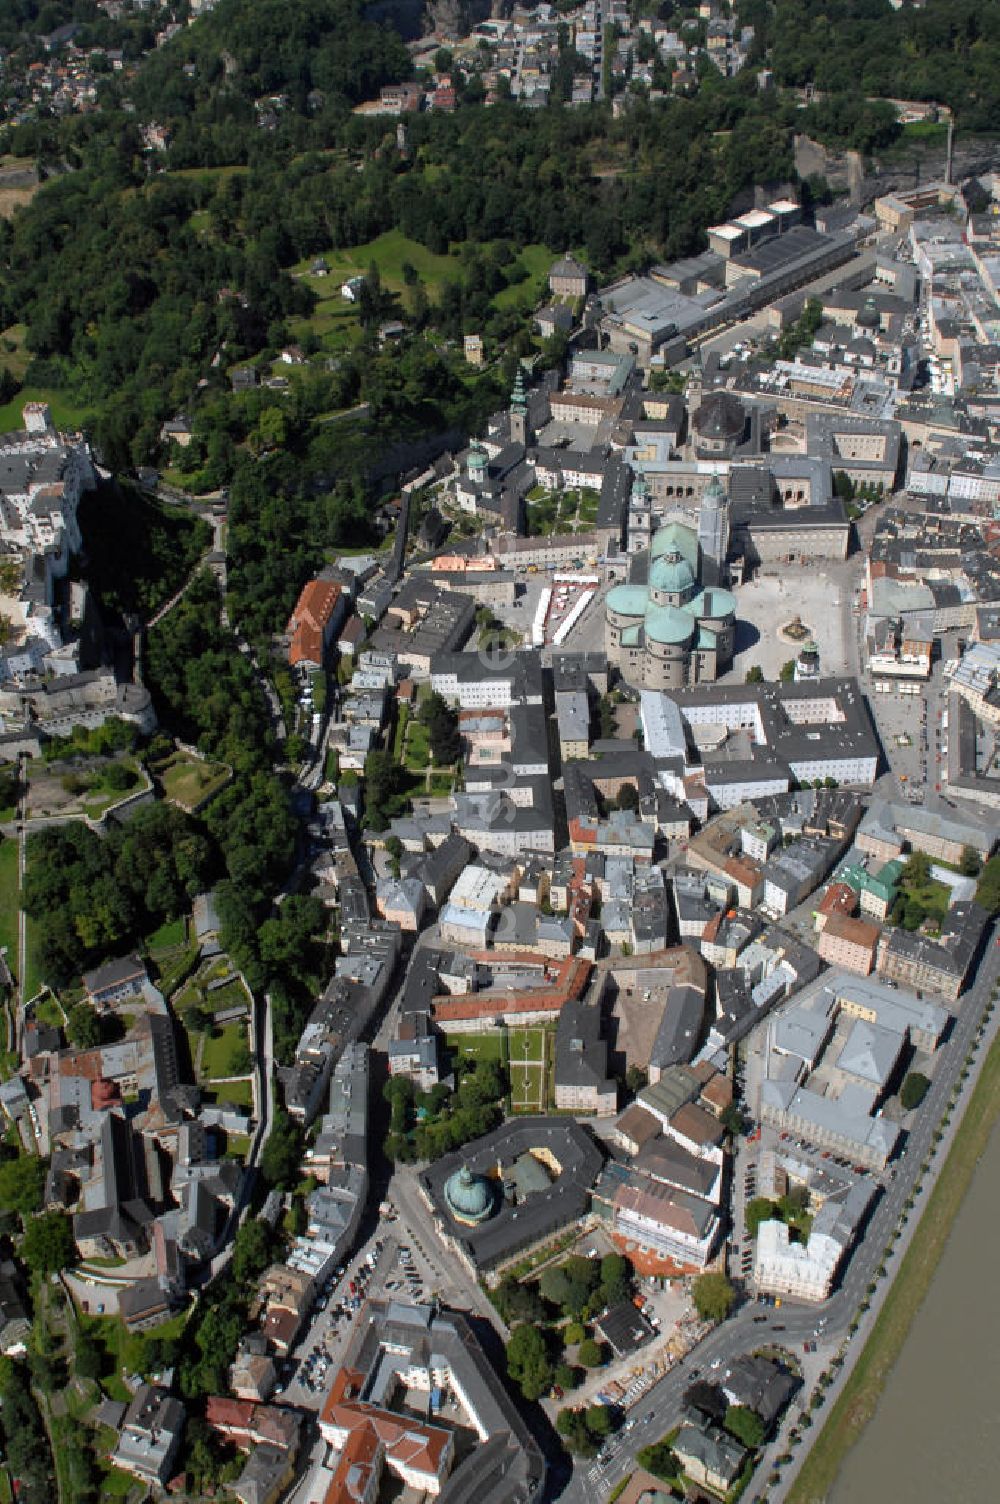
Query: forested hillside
[[139, 279], [321, 56]]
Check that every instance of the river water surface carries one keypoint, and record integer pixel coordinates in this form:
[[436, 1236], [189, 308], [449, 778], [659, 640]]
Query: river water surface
[[935, 1435]]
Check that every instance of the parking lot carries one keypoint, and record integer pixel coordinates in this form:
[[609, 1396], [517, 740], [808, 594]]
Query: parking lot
[[387, 1265]]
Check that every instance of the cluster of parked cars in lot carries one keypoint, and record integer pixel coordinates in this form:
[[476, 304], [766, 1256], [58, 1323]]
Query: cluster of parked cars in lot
[[408, 1278], [749, 1192], [341, 1299], [837, 1159]]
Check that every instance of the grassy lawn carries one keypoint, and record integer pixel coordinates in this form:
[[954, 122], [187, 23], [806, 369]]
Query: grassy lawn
[[331, 317], [476, 1046], [417, 750], [210, 174], [932, 896], [856, 1405], [527, 1087], [925, 130], [33, 980], [239, 1093], [233, 995], [527, 1044], [101, 798], [169, 936], [117, 1485], [189, 782], [173, 972], [536, 260], [13, 356], [9, 900], [215, 1059], [542, 514], [388, 252], [65, 412], [49, 1012], [399, 734]]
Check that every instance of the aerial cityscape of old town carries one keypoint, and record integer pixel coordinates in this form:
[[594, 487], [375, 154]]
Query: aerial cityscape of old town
[[499, 749]]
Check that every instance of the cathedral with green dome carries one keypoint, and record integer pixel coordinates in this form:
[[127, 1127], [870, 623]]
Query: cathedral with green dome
[[664, 628]]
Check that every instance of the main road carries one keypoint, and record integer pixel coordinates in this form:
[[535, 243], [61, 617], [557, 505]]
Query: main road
[[790, 1325]]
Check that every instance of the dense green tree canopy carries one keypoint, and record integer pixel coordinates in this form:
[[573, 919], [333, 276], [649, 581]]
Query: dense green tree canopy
[[89, 895], [47, 1245], [528, 1361], [713, 1296]]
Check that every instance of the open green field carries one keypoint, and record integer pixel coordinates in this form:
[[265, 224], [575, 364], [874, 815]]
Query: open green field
[[65, 412], [233, 995], [388, 252], [526, 1044], [935, 131], [33, 979], [528, 1091], [856, 1404], [237, 1146], [417, 747], [239, 1093], [189, 782], [217, 1053], [116, 1485], [48, 1011], [9, 900], [170, 935], [210, 174], [338, 320], [475, 1046], [13, 355], [536, 260]]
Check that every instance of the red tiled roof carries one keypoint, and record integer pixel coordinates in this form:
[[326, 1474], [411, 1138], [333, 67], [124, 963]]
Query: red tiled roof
[[696, 1124], [568, 983], [409, 1444], [308, 622], [656, 1203], [86, 1063], [221, 1412], [861, 932], [718, 1092], [359, 1459], [839, 898]]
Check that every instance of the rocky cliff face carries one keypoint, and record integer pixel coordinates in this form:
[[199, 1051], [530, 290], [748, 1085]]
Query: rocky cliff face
[[453, 18], [457, 17]]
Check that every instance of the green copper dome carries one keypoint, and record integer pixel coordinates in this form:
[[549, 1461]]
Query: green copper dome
[[628, 600], [671, 573], [468, 1196], [675, 535], [713, 604], [669, 625]]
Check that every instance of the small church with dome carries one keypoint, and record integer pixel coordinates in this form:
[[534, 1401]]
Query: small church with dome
[[469, 1197], [670, 625]]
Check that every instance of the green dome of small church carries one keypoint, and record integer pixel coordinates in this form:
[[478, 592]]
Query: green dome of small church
[[468, 1197]]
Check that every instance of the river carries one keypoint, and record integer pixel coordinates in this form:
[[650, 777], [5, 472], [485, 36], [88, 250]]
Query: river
[[935, 1434]]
